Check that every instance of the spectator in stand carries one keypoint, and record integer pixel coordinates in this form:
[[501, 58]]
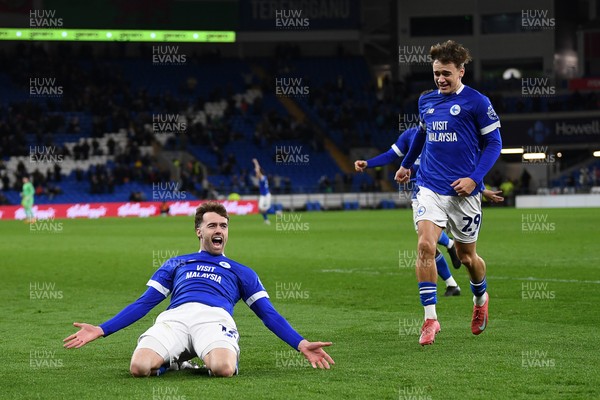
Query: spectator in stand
[[164, 209], [508, 187], [584, 178], [3, 200], [525, 182]]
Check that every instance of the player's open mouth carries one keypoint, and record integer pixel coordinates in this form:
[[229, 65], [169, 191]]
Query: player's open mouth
[[217, 241]]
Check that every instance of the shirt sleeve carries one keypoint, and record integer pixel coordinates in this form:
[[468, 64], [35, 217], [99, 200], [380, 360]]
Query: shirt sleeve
[[133, 312], [384, 158], [491, 151], [487, 119], [252, 288], [275, 322], [162, 280], [416, 147]]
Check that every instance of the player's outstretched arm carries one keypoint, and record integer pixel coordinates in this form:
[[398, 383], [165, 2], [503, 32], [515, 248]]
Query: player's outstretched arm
[[87, 333], [493, 196], [360, 165], [314, 353], [126, 317], [257, 168]]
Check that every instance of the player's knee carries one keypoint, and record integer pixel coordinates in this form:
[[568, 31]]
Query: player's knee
[[223, 369], [467, 259], [139, 369], [426, 247]]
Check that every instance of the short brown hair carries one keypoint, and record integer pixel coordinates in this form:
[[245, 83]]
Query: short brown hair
[[450, 51], [209, 206]]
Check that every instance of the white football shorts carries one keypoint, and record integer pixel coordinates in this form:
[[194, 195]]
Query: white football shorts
[[461, 216], [264, 202], [190, 330]]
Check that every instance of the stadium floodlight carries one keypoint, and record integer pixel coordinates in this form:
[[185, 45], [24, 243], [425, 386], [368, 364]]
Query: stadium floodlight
[[511, 73], [597, 153], [534, 156], [517, 150], [122, 35]]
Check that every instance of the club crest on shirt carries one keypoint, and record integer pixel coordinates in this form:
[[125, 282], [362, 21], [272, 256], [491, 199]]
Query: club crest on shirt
[[225, 264], [491, 113], [455, 109]]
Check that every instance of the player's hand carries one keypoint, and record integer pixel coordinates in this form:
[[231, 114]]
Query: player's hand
[[86, 334], [402, 175], [314, 353], [360, 165], [464, 186], [493, 196]]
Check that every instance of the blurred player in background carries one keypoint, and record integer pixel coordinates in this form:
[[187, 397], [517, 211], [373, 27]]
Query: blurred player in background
[[460, 132], [204, 288], [264, 199], [398, 150], [27, 193]]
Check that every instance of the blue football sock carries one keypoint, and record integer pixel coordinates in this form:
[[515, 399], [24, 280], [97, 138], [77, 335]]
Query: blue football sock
[[428, 293], [162, 370], [442, 267], [264, 216], [479, 288], [444, 240]]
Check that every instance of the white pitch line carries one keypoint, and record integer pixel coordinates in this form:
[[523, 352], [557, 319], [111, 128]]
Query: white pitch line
[[531, 278]]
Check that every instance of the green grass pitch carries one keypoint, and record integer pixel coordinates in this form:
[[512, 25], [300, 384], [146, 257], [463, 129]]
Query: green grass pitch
[[346, 277]]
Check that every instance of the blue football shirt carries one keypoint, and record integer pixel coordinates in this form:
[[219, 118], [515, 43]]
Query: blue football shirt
[[263, 186], [401, 149], [455, 125], [214, 280]]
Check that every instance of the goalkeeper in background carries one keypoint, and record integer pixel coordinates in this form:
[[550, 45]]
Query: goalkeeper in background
[[27, 193]]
